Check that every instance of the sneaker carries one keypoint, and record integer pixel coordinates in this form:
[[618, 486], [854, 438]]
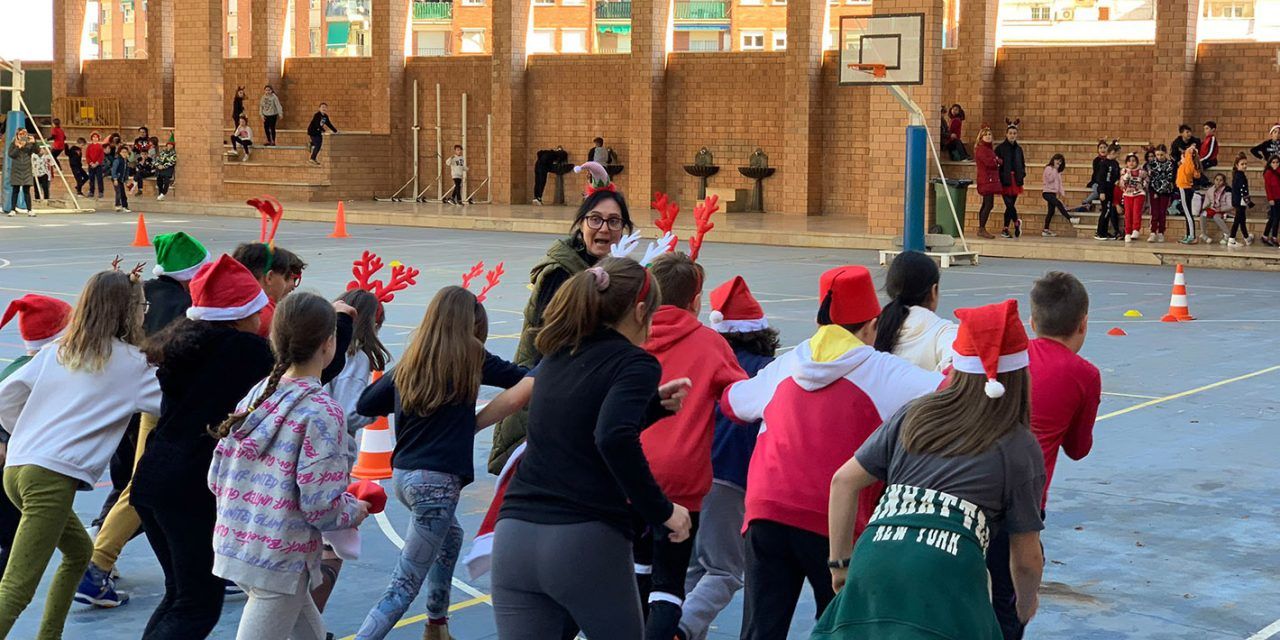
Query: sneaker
[[1128, 238], [31, 214], [1221, 242], [1017, 228], [537, 202], [1248, 240], [1005, 234], [1151, 238], [1206, 239], [1231, 242], [1073, 220], [1159, 237], [117, 208], [98, 588], [160, 197], [1097, 236], [231, 589], [1048, 234], [314, 162], [125, 210], [12, 214]]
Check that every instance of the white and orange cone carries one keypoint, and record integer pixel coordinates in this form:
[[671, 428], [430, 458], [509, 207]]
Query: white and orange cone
[[1178, 309], [376, 445]]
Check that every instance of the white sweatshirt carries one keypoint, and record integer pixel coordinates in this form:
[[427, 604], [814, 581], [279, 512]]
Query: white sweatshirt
[[457, 167], [70, 422], [925, 339]]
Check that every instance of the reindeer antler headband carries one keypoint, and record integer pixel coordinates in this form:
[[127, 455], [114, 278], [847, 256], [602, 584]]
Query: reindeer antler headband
[[668, 210], [272, 212], [135, 276], [402, 277], [491, 279]]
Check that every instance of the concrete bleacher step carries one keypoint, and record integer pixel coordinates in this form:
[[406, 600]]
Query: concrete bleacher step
[[280, 189]]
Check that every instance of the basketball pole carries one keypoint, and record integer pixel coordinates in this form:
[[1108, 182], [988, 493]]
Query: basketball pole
[[915, 173]]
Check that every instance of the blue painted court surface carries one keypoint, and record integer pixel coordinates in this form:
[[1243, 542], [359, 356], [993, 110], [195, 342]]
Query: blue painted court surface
[[1167, 530]]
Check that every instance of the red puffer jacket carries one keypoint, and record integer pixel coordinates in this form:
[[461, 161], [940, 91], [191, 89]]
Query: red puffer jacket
[[1271, 179], [988, 170]]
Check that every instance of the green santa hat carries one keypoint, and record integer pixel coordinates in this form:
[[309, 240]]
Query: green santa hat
[[179, 256]]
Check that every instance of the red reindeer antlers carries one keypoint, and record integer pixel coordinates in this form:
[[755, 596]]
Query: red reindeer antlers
[[271, 211], [402, 277], [491, 279], [702, 216], [667, 210]]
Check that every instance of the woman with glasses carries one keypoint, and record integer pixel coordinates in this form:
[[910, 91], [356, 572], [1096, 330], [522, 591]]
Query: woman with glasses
[[601, 221]]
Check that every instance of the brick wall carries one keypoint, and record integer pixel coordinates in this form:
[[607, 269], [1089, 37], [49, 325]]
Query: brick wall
[[564, 110], [467, 74], [243, 72], [1074, 93], [1230, 88], [124, 80], [344, 83], [845, 152], [730, 103]]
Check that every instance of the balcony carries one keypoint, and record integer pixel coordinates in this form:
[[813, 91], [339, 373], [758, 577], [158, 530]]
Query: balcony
[[430, 11], [702, 10], [613, 10]]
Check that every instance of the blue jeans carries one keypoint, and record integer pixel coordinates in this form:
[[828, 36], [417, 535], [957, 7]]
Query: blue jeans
[[430, 550]]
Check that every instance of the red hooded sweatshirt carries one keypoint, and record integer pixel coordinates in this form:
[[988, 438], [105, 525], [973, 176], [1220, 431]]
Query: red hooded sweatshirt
[[679, 447]]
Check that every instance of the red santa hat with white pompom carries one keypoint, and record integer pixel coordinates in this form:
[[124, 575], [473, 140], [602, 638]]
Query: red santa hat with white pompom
[[735, 310], [991, 340]]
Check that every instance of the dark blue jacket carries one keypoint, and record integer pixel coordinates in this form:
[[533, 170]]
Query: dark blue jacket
[[733, 443], [119, 168]]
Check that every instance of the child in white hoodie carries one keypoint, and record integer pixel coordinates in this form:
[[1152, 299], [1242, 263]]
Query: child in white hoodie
[[87, 385], [909, 327]]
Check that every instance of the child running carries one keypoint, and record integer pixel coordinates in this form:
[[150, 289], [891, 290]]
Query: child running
[[279, 475], [1133, 181], [909, 326], [1271, 181], [432, 391], [1217, 202], [1161, 174], [87, 385], [1241, 201], [1053, 193], [716, 573]]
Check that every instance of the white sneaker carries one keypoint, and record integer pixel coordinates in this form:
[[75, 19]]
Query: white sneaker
[[1207, 240], [13, 214], [1222, 241], [160, 197], [1159, 237], [1231, 242], [537, 202], [30, 213], [1128, 238], [124, 210], [117, 209], [1248, 240], [1151, 238]]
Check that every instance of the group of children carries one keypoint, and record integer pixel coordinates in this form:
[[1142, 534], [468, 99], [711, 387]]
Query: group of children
[[92, 162], [654, 441]]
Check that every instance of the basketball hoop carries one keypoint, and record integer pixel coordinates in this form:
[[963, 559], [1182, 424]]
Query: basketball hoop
[[875, 70]]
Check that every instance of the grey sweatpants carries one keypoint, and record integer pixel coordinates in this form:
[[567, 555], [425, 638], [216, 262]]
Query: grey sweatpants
[[719, 560], [551, 579], [269, 615]]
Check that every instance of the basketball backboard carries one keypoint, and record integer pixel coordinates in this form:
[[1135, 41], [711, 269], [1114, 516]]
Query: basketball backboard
[[882, 49]]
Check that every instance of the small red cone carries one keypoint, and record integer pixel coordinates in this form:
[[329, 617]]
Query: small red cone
[[340, 223], [1116, 331], [140, 237]]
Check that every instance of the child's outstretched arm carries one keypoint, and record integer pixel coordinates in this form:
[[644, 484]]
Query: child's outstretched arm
[[506, 403], [322, 478]]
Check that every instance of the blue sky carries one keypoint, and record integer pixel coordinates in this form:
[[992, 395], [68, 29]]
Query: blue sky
[[26, 32]]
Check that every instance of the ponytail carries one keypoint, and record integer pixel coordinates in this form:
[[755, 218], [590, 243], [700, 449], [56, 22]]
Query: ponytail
[[590, 300], [910, 281]]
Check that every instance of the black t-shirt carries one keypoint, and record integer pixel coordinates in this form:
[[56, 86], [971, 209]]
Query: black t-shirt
[[583, 460], [443, 440]]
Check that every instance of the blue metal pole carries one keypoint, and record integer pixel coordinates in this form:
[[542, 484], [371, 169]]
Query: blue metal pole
[[15, 121], [913, 203]]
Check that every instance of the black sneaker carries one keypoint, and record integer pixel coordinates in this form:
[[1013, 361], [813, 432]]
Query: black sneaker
[[1005, 234], [1017, 228]]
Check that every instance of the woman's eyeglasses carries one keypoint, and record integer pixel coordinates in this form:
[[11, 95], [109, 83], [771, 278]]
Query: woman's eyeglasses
[[297, 281], [146, 306], [599, 222]]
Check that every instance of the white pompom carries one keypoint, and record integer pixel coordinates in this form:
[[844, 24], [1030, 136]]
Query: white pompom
[[715, 317], [994, 389], [157, 270]]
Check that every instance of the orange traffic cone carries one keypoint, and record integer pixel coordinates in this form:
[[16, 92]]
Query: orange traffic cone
[[340, 224], [376, 445], [1178, 310], [140, 238]]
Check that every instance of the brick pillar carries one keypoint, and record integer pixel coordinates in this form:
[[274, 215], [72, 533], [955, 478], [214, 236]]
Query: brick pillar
[[511, 164], [801, 134], [388, 30], [970, 68], [267, 29], [159, 64], [1175, 48], [647, 111], [198, 108], [68, 23], [887, 121]]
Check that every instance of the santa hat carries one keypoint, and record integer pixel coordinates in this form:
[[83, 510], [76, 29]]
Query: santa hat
[[178, 255], [849, 294], [991, 341], [225, 290], [42, 319], [735, 310]]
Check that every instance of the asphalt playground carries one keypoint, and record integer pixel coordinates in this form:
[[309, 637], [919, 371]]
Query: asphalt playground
[[1168, 530]]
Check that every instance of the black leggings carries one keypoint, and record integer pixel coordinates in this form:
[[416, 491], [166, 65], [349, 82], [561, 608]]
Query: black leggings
[[988, 203], [1240, 224], [1010, 210], [1273, 221], [13, 196], [1188, 199], [1054, 205], [780, 559], [269, 128], [1109, 218], [661, 566]]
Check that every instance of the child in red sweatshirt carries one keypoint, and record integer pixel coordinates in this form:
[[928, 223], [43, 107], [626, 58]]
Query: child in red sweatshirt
[[679, 447], [819, 403]]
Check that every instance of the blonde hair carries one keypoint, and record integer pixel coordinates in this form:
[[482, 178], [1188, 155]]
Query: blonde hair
[[110, 308], [443, 362], [961, 420]]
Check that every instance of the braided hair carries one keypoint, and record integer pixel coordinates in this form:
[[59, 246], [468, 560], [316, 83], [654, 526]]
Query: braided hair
[[302, 324]]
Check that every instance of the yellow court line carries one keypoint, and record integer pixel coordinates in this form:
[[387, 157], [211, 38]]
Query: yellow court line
[[1189, 392], [1129, 395], [419, 618]]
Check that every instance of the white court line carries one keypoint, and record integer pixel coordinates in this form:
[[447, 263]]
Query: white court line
[[390, 532], [4, 263], [1267, 632]]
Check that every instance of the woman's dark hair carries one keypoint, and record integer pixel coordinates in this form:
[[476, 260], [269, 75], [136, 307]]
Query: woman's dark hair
[[303, 322], [592, 201], [1056, 157], [598, 297], [364, 336], [764, 342], [912, 276], [956, 107]]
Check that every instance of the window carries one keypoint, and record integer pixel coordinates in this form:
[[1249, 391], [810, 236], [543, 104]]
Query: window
[[1239, 20], [313, 42], [573, 3], [128, 51], [315, 4], [573, 41], [752, 40], [473, 41], [473, 3], [432, 43], [1229, 9], [542, 41], [779, 40], [1040, 13], [231, 7], [750, 3], [858, 2], [779, 3], [231, 44], [705, 41], [544, 3], [1044, 22], [126, 14]]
